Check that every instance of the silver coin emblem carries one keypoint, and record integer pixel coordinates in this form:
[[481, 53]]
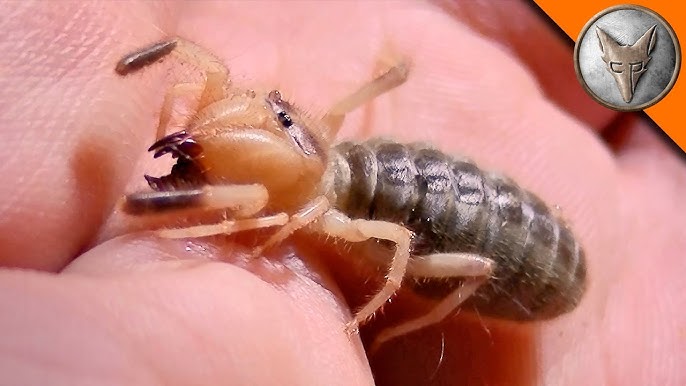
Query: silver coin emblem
[[627, 57]]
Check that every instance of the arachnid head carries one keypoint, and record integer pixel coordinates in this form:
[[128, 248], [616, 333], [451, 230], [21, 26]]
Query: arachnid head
[[249, 139]]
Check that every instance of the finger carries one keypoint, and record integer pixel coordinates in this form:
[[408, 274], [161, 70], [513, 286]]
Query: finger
[[526, 32], [72, 129], [650, 281], [180, 318]]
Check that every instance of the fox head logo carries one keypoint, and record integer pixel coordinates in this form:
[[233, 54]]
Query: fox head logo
[[627, 63]]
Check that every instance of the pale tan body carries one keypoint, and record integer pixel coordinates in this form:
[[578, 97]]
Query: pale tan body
[[265, 178]]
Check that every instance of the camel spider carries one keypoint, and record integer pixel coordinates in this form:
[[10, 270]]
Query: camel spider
[[463, 235]]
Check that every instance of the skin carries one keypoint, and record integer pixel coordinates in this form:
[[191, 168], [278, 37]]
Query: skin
[[492, 81]]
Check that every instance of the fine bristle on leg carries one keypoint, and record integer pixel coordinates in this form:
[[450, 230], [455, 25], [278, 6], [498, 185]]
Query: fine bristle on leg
[[225, 227], [437, 314], [476, 270], [311, 212], [215, 72], [390, 78], [214, 86], [336, 224]]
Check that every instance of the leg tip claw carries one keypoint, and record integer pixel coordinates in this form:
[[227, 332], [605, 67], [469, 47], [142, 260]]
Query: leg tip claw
[[352, 328]]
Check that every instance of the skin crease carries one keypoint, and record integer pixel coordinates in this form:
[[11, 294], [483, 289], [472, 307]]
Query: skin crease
[[490, 80]]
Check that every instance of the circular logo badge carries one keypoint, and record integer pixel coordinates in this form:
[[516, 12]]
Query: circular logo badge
[[627, 57]]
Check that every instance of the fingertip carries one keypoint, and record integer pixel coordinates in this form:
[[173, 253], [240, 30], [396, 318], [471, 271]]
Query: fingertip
[[72, 125], [262, 312], [136, 252]]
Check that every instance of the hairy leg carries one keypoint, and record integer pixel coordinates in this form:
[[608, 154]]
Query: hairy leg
[[336, 224], [392, 77], [475, 268], [302, 218]]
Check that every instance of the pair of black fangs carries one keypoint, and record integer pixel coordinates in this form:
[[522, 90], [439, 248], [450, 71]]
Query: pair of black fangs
[[185, 174], [179, 144]]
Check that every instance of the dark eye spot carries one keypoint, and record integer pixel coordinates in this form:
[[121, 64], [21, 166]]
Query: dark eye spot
[[285, 119]]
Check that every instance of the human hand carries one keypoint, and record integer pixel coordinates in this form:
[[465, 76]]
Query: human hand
[[490, 81]]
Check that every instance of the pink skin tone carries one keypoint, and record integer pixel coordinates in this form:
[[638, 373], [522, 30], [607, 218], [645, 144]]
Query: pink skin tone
[[494, 82]]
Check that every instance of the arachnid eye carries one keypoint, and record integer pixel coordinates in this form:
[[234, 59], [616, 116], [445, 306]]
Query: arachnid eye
[[285, 119], [277, 105], [298, 134]]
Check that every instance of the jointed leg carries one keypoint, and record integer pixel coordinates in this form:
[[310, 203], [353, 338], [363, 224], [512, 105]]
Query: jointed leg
[[446, 265], [216, 76], [174, 93], [302, 218], [215, 72], [225, 227], [242, 200], [475, 268], [391, 78], [336, 224], [223, 113], [436, 315], [213, 88]]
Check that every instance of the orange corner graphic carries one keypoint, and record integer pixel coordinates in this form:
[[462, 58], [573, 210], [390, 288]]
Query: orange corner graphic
[[573, 16]]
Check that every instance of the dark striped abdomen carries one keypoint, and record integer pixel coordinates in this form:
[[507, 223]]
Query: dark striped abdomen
[[453, 206]]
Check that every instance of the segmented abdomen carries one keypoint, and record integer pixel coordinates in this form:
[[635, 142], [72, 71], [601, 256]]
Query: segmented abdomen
[[453, 206]]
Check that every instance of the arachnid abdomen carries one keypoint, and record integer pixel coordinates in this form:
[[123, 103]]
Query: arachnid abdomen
[[453, 206]]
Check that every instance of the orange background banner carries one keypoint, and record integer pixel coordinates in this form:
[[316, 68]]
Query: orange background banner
[[668, 113]]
